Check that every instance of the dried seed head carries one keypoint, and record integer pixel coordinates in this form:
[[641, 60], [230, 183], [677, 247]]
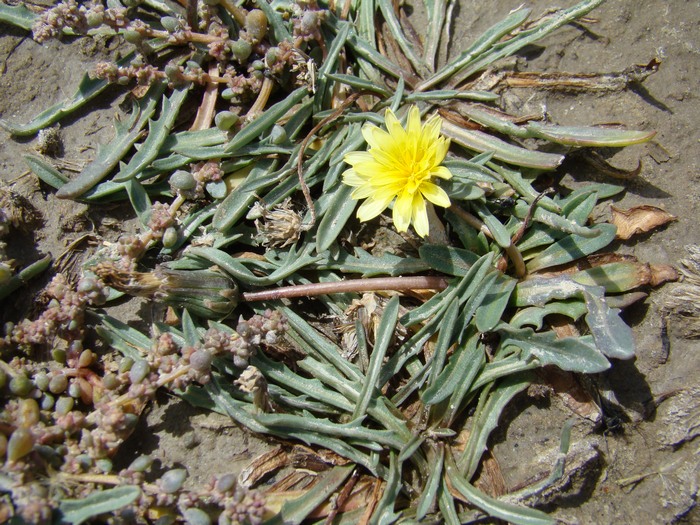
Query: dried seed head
[[278, 227]]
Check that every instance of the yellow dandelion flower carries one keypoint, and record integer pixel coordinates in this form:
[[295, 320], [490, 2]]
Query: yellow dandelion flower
[[400, 163]]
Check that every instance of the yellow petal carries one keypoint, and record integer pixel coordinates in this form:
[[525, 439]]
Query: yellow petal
[[371, 208], [394, 127], [420, 216], [351, 178], [442, 172], [414, 126], [403, 211], [435, 194], [363, 192]]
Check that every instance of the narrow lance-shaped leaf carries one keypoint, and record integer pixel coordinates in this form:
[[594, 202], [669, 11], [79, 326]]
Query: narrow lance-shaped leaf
[[429, 495], [336, 217], [437, 13], [492, 506], [588, 136], [238, 201], [320, 98], [479, 141], [387, 10], [77, 511], [490, 312], [383, 337], [556, 221], [265, 121], [491, 404], [447, 259], [21, 277], [526, 37], [87, 90], [45, 171], [110, 154], [483, 43], [573, 247], [157, 133], [463, 364], [139, 200]]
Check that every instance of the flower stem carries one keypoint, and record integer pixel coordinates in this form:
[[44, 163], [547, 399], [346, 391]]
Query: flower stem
[[419, 282]]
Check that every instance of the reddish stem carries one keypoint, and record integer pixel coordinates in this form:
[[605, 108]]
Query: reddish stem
[[419, 282]]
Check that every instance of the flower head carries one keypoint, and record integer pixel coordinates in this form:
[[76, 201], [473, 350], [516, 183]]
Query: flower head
[[401, 163]]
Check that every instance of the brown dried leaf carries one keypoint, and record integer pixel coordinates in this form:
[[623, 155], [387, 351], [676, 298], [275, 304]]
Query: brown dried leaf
[[639, 219], [316, 461], [491, 480], [572, 394], [262, 466], [663, 273]]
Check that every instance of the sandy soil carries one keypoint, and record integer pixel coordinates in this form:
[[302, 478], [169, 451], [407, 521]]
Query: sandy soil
[[644, 465]]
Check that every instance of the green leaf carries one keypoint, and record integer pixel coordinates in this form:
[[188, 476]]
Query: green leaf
[[430, 492], [492, 506], [129, 341], [369, 266], [498, 231], [157, 133], [437, 14], [314, 388], [447, 259], [525, 37], [139, 200], [321, 98], [504, 151], [461, 369], [17, 15], [109, 155], [579, 207], [189, 329], [574, 354], [615, 277], [482, 44], [87, 90], [265, 121], [77, 511], [360, 84], [444, 340], [340, 209], [45, 171], [490, 312], [384, 335], [534, 315], [387, 10], [492, 402], [321, 347], [611, 334], [24, 275], [237, 203], [384, 512], [573, 247], [367, 437], [588, 136], [556, 221]]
